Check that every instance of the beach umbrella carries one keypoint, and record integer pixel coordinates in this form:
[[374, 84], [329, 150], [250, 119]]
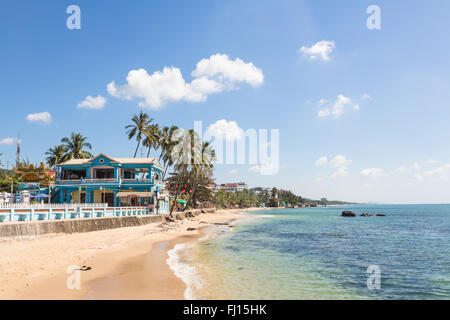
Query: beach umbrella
[[181, 201]]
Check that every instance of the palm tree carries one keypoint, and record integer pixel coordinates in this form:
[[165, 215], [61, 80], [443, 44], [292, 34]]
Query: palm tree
[[75, 147], [55, 155], [140, 125], [151, 140], [166, 144]]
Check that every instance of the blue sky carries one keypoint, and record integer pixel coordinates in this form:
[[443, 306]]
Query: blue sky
[[393, 149]]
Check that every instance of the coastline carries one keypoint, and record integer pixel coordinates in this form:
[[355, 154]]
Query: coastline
[[125, 263]]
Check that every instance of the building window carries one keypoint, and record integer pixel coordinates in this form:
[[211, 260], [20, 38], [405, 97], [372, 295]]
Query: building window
[[65, 196]]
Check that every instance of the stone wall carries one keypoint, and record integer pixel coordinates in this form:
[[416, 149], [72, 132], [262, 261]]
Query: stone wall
[[32, 229]]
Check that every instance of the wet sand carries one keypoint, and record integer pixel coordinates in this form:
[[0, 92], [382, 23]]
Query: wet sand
[[126, 263]]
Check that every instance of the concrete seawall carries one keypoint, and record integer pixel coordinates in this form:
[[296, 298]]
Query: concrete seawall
[[32, 229]]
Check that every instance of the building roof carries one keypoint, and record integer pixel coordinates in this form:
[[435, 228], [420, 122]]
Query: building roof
[[119, 160]]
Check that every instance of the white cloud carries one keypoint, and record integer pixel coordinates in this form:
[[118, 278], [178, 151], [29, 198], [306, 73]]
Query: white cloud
[[233, 171], [213, 75], [8, 140], [432, 161], [415, 166], [43, 117], [90, 102], [321, 50], [319, 179], [338, 107], [321, 161], [366, 96], [225, 129], [269, 167], [418, 176], [323, 113], [371, 173], [220, 66], [441, 172], [322, 101], [340, 161], [340, 172], [400, 170]]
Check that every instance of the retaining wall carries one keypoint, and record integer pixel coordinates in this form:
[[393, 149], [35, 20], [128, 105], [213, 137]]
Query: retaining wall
[[31, 229]]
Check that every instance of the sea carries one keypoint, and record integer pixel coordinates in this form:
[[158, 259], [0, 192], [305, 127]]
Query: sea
[[314, 253]]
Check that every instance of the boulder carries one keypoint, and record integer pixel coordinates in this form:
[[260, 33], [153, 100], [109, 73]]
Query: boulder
[[191, 229], [381, 215], [347, 213], [366, 215]]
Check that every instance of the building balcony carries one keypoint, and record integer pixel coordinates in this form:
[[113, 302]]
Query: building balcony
[[109, 182]]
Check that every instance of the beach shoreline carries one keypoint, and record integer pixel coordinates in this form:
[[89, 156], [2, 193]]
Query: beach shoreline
[[125, 263]]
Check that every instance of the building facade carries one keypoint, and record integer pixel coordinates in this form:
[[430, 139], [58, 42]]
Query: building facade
[[114, 181]]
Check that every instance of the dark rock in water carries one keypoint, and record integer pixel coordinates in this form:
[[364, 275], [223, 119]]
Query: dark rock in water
[[348, 214], [191, 229], [241, 268], [381, 215], [169, 219], [366, 215]]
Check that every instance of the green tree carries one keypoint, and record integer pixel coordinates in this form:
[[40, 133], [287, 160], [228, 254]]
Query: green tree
[[55, 155], [75, 147], [152, 138], [138, 128]]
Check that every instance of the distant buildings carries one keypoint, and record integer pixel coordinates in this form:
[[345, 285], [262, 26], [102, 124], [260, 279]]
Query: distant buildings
[[259, 190], [229, 187]]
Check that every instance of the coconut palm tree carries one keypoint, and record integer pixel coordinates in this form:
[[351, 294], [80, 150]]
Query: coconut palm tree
[[55, 155], [152, 140], [75, 147], [140, 125], [166, 144]]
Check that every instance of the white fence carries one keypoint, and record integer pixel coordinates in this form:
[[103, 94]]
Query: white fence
[[52, 205], [62, 213]]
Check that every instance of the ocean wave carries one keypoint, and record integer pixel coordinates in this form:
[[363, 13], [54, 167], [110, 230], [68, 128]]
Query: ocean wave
[[183, 270]]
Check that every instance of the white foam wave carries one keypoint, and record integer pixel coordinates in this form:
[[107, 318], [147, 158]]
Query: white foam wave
[[183, 270]]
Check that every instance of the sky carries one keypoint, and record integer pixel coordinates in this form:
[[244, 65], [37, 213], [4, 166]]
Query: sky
[[362, 114]]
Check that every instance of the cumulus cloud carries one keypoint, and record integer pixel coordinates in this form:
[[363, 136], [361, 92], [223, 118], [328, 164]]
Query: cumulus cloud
[[340, 161], [340, 172], [90, 102], [338, 107], [43, 117], [371, 173], [213, 75], [269, 167], [400, 170], [8, 141], [321, 161], [225, 129], [220, 67], [320, 50], [366, 96]]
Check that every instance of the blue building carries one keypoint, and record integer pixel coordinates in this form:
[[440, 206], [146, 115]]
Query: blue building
[[115, 181]]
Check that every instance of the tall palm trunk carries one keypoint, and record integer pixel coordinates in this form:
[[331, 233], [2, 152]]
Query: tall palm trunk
[[137, 148]]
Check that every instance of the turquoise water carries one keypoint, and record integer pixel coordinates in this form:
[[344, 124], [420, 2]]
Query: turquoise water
[[316, 254]]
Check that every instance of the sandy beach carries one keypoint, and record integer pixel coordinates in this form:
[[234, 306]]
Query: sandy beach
[[125, 263]]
